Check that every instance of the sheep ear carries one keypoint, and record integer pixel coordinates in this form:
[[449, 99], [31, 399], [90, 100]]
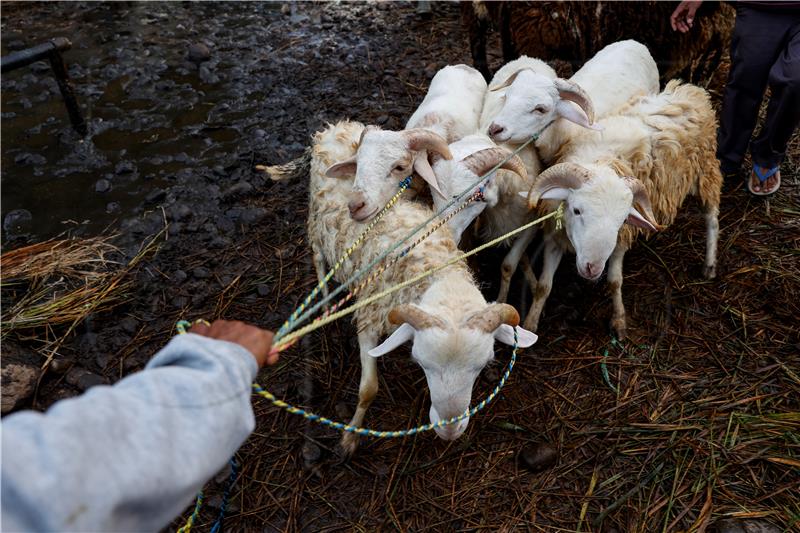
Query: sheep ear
[[400, 336], [635, 218], [423, 168], [573, 113], [505, 334], [556, 193], [345, 169]]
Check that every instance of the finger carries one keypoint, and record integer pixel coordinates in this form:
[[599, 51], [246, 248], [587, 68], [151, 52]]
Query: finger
[[200, 328], [272, 358]]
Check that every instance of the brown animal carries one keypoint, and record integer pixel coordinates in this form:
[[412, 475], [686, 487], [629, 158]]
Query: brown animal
[[575, 31]]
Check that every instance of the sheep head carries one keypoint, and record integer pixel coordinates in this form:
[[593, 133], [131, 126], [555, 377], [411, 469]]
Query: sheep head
[[452, 355], [532, 101], [384, 159], [456, 176], [597, 203]]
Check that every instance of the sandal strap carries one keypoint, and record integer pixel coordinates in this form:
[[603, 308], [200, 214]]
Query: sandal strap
[[764, 173]]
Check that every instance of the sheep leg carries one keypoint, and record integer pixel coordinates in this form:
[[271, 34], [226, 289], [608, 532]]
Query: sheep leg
[[550, 262], [319, 266], [511, 260], [712, 236], [618, 325], [367, 390], [527, 271]]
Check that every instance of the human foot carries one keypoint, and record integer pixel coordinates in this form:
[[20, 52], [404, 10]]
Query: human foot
[[764, 181]]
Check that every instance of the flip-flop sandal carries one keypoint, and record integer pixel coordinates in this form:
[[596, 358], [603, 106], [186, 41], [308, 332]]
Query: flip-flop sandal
[[763, 174]]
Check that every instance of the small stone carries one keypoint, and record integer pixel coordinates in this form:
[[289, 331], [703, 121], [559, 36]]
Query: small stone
[[179, 302], [180, 212], [343, 411], [125, 167], [179, 276], [16, 45], [219, 170], [102, 186], [156, 195], [263, 289], [734, 525], [83, 379], [19, 382], [311, 452], [241, 188], [383, 119], [112, 207], [430, 70], [201, 273], [60, 366], [259, 133], [17, 221], [253, 215], [538, 457], [129, 325], [198, 52], [207, 76], [40, 67], [27, 158]]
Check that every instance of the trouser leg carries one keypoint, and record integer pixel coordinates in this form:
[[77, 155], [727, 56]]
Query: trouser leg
[[757, 41], [783, 110]]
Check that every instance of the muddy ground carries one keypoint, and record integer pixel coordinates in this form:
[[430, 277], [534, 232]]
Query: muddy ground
[[696, 421]]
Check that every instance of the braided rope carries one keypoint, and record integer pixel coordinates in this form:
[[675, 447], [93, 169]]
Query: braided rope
[[403, 185], [187, 527], [287, 340], [291, 324]]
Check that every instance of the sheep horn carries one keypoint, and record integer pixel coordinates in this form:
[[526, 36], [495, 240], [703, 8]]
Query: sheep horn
[[484, 160], [569, 90], [415, 317], [422, 139], [641, 200], [492, 317], [562, 175], [364, 132], [508, 81]]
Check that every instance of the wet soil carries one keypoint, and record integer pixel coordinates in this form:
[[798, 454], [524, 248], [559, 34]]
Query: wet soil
[[173, 144]]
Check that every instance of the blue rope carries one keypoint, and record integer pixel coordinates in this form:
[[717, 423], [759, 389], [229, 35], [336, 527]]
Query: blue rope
[[225, 495]]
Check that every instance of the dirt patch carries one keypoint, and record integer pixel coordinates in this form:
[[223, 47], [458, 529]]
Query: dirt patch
[[695, 421]]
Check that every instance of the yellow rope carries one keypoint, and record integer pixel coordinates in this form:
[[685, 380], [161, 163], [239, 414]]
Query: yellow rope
[[288, 339]]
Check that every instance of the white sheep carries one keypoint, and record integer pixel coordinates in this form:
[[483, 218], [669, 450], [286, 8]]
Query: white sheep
[[452, 327], [450, 111], [532, 100], [503, 210], [647, 160]]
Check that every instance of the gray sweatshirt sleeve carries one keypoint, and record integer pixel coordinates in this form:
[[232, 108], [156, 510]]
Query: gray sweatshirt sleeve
[[129, 457]]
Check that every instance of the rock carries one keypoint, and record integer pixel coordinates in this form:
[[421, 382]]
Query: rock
[[201, 273], [198, 52], [39, 67], [19, 382], [263, 289], [343, 411], [179, 276], [538, 457], [311, 452], [381, 120], [18, 221], [125, 167], [240, 188], [219, 170], [129, 325], [253, 215], [155, 196], [60, 366], [112, 207], [102, 186], [430, 70], [83, 379], [16, 45], [179, 302], [27, 158], [180, 212], [207, 76], [733, 525]]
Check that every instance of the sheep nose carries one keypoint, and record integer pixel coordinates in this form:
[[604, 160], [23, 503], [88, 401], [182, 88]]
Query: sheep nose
[[592, 270], [495, 130], [355, 206]]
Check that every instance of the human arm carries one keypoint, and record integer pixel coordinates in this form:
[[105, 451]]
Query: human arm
[[682, 18], [131, 456]]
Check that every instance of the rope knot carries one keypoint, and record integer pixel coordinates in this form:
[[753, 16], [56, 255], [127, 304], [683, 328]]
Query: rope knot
[[560, 216]]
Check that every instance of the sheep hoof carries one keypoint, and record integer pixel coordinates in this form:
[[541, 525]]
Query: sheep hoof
[[531, 323], [348, 445], [619, 327], [710, 271]]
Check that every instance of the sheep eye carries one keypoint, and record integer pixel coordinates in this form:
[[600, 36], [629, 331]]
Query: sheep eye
[[399, 168], [540, 109], [576, 211]]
